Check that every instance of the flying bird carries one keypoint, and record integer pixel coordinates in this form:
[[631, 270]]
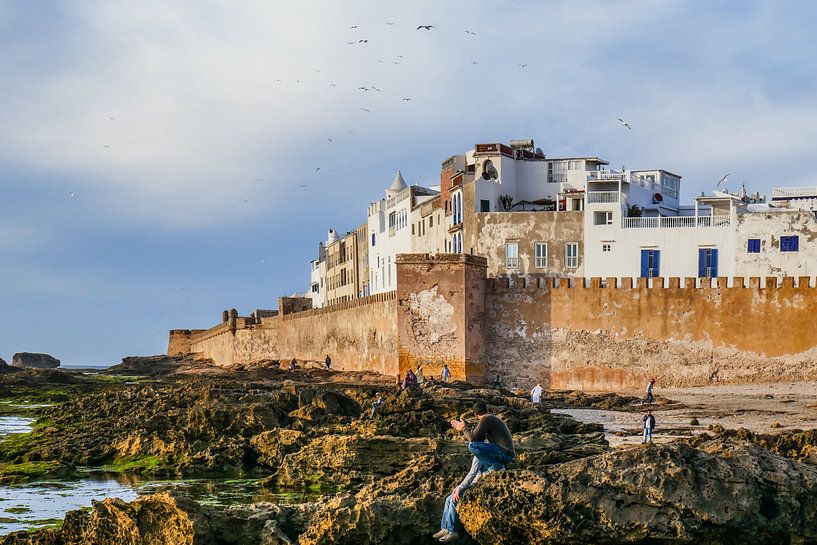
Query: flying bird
[[353, 27], [522, 65], [72, 195], [406, 99], [376, 89], [390, 24], [723, 180], [624, 123], [362, 88], [365, 110], [106, 146], [329, 139], [399, 56], [363, 41], [318, 169], [474, 62], [350, 43], [468, 32], [426, 27], [111, 118], [302, 185]]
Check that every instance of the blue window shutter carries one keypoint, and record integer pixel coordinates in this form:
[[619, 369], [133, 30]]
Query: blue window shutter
[[656, 263], [714, 264], [701, 262], [795, 244], [645, 257]]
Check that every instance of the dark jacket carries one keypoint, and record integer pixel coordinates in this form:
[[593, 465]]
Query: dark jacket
[[649, 421]]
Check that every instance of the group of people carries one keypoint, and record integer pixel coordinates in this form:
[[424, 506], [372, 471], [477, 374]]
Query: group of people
[[293, 363], [418, 378]]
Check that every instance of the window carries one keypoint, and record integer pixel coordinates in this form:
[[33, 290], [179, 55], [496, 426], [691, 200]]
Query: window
[[754, 246], [412, 228], [670, 187], [430, 221], [484, 205], [572, 255], [457, 208], [456, 243], [790, 244], [606, 247], [540, 250], [650, 263], [707, 262], [602, 218], [512, 255]]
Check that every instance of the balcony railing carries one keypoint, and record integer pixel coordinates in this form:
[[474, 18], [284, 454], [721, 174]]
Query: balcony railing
[[601, 175], [794, 192], [674, 222], [595, 197]]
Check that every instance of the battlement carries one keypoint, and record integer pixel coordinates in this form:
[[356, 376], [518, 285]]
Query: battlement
[[526, 283], [346, 305]]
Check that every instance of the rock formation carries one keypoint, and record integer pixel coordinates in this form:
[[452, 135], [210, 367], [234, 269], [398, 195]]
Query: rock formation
[[34, 361], [724, 492]]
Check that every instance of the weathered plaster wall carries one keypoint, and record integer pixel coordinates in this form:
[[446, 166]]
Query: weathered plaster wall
[[769, 228], [439, 313], [611, 338], [358, 335]]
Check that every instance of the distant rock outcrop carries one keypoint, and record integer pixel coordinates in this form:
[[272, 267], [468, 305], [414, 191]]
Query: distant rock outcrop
[[34, 361], [3, 363]]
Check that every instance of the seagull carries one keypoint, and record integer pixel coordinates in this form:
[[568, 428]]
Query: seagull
[[262, 260], [329, 139], [406, 99], [624, 123], [376, 89], [362, 88], [318, 169], [111, 118], [350, 43], [390, 24], [723, 180], [72, 195], [426, 27], [106, 146], [399, 56], [353, 27], [470, 33], [363, 41], [395, 62], [333, 85], [474, 62], [365, 110], [522, 65], [302, 185]]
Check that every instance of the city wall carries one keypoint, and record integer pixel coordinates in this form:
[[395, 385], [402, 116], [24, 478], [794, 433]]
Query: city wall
[[613, 335], [567, 334]]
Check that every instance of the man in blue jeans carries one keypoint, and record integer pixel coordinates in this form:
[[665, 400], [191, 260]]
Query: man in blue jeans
[[492, 455]]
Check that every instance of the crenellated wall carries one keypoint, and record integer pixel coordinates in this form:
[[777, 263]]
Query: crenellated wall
[[586, 336], [572, 334]]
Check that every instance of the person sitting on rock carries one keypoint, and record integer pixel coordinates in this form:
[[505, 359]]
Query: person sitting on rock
[[377, 403], [450, 525], [649, 425], [446, 374], [498, 451], [293, 364], [410, 380]]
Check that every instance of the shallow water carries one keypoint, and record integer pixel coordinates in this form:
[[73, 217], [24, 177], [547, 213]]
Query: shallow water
[[34, 505]]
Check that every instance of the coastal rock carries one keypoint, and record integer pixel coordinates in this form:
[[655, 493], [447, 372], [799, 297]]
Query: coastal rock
[[3, 363], [723, 492], [34, 361]]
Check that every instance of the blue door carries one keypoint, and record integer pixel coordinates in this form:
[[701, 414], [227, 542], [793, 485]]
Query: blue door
[[707, 262], [650, 263]]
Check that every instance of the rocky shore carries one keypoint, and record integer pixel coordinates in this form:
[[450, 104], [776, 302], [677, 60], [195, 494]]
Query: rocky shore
[[383, 479]]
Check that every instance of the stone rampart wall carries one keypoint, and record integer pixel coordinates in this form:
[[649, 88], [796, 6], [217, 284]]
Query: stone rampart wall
[[608, 338]]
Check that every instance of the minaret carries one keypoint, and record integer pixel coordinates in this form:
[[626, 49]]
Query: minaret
[[398, 185]]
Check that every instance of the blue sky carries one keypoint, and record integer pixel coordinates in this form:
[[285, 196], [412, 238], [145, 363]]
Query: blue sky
[[151, 153]]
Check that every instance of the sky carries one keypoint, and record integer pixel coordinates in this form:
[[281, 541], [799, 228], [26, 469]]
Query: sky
[[162, 161]]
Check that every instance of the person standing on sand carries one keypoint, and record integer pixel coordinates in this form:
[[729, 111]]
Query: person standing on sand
[[649, 425], [446, 374], [328, 362], [498, 451], [419, 374], [536, 393], [650, 384], [450, 524]]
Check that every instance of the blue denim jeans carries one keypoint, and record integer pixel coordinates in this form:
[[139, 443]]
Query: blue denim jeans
[[450, 521], [647, 435], [491, 456]]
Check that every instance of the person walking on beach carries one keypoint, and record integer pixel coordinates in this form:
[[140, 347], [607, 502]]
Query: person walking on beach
[[419, 374], [446, 374], [498, 451], [536, 393], [450, 525], [328, 362], [649, 425], [650, 385]]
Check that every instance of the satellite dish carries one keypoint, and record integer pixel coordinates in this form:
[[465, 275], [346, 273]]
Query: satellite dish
[[658, 197], [540, 152], [492, 172], [485, 175]]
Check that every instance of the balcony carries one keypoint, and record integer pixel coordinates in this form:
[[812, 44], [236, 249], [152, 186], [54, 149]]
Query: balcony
[[606, 176], [801, 192], [675, 222], [603, 197]]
